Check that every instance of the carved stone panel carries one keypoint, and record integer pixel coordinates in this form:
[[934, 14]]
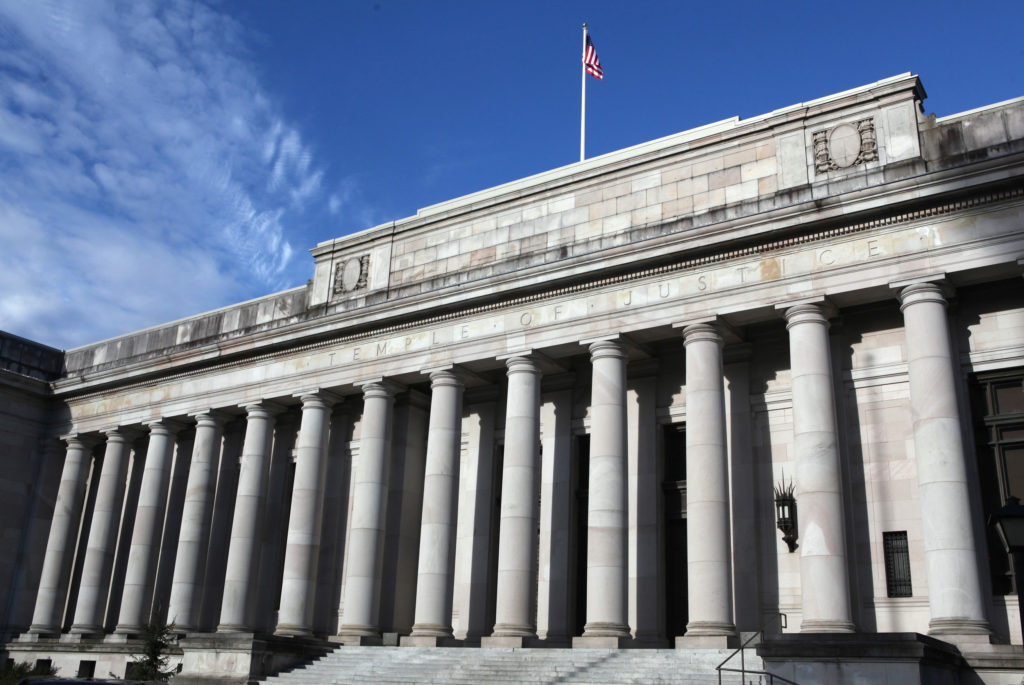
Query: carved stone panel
[[350, 274], [845, 146]]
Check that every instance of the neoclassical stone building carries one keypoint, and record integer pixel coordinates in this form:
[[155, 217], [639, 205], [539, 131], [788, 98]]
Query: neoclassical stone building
[[557, 412]]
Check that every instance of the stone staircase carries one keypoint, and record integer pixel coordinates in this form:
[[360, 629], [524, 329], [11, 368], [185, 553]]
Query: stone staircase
[[383, 665]]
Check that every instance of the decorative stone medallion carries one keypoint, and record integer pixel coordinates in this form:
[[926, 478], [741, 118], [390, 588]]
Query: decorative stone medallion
[[845, 146], [350, 274]]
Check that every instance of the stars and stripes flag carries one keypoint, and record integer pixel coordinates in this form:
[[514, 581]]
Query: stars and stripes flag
[[590, 60]]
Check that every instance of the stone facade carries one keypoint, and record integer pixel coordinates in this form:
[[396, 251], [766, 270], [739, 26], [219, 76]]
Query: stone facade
[[553, 413]]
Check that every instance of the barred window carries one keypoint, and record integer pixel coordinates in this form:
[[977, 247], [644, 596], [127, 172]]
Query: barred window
[[897, 564]]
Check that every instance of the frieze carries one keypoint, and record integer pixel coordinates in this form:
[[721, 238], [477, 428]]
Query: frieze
[[844, 146], [703, 275]]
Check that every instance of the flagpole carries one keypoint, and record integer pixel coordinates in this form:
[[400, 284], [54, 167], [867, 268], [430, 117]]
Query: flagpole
[[583, 98]]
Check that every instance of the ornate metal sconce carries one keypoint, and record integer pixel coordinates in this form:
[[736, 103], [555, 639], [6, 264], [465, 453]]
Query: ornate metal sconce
[[785, 512]]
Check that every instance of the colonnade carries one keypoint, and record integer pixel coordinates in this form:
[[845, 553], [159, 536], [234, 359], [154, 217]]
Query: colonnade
[[955, 589]]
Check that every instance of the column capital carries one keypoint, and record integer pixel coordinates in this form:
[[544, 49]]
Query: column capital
[[262, 408], [209, 417], [446, 377], [807, 313], [163, 426], [523, 364], [702, 332], [918, 293], [120, 434], [379, 387], [602, 349], [82, 440], [317, 397]]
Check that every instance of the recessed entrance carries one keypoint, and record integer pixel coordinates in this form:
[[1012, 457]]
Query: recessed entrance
[[673, 487]]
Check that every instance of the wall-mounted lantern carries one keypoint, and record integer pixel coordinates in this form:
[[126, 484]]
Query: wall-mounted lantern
[[785, 512]]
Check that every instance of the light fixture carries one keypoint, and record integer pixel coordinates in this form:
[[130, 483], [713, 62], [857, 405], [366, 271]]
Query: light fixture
[[785, 512]]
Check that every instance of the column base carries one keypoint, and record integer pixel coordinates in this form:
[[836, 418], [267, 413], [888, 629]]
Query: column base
[[710, 629], [707, 642], [959, 626], [605, 629], [825, 626], [86, 630], [225, 628], [602, 642], [43, 631], [431, 630], [285, 630], [509, 641], [429, 641], [128, 630], [354, 636]]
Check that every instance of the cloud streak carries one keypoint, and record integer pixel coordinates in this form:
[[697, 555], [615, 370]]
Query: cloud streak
[[145, 174]]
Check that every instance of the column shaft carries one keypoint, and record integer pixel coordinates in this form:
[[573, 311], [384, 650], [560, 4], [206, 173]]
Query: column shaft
[[196, 516], [555, 517], [708, 568], [824, 581], [517, 533], [302, 549], [366, 533], [607, 511], [143, 554], [242, 568], [954, 583], [94, 587], [437, 528], [60, 545]]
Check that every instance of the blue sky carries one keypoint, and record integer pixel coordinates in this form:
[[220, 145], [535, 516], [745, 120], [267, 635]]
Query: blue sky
[[160, 159]]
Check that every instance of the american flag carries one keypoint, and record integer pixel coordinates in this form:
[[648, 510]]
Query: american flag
[[590, 60]]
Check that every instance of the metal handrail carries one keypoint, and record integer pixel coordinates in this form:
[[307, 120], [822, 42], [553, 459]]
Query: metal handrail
[[742, 670]]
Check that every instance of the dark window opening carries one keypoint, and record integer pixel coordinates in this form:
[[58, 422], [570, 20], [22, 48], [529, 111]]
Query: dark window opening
[[86, 669], [897, 564]]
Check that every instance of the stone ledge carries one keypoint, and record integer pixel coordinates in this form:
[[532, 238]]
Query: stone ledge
[[860, 646]]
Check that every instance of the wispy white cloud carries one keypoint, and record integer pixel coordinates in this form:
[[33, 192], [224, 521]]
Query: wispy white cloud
[[145, 174]]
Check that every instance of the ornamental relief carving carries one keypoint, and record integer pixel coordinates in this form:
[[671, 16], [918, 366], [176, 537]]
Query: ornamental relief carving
[[844, 146], [350, 274]]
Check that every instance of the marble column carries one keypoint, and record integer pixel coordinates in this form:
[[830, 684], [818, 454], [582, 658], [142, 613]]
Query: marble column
[[556, 499], [434, 583], [302, 549], [954, 584], [94, 587], [242, 566], [824, 581], [708, 548], [60, 546], [517, 528], [137, 593], [369, 495], [196, 517], [476, 513], [607, 511]]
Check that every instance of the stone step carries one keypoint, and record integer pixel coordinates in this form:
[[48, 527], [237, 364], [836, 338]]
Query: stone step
[[471, 666]]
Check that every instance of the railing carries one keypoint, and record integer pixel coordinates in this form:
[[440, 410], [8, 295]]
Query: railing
[[742, 670]]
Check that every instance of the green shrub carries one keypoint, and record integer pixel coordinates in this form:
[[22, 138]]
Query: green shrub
[[11, 673]]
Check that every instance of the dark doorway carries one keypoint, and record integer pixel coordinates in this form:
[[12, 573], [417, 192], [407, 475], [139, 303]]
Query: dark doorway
[[673, 487], [581, 478]]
